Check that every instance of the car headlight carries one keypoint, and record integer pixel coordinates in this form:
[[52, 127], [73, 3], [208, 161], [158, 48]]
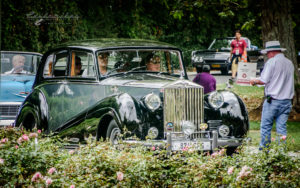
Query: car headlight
[[152, 133], [188, 127], [224, 130], [201, 59], [152, 101], [216, 99]]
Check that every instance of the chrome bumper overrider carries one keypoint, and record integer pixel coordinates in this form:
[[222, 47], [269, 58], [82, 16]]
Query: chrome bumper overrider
[[205, 144]]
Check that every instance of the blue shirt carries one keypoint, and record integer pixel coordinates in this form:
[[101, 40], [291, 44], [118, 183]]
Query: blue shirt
[[207, 81], [278, 76]]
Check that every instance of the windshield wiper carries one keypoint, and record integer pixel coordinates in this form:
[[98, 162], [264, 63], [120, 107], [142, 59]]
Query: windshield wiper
[[135, 68]]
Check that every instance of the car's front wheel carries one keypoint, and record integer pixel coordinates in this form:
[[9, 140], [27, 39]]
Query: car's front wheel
[[199, 69], [224, 71], [113, 133]]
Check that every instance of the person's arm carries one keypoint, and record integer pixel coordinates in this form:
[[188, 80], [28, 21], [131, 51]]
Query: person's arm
[[245, 47], [265, 75], [231, 51], [195, 80], [256, 82]]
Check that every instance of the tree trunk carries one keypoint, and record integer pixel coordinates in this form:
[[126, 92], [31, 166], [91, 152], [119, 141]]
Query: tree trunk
[[277, 25]]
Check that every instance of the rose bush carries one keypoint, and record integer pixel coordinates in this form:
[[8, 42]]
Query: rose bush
[[46, 164]]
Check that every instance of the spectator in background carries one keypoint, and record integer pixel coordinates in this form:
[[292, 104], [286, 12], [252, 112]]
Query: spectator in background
[[238, 47], [78, 66], [18, 62], [206, 80], [278, 78]]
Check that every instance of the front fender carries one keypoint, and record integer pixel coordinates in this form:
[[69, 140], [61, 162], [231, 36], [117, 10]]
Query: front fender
[[233, 113], [123, 108], [36, 104]]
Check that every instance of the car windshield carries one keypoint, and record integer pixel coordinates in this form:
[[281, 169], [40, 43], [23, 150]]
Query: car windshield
[[18, 63], [138, 60], [224, 44]]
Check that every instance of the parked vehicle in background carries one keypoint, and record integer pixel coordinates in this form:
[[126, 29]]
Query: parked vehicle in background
[[137, 85], [18, 71], [217, 56]]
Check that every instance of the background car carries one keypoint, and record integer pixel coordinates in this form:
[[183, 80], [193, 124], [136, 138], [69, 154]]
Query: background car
[[217, 56], [17, 75], [144, 90]]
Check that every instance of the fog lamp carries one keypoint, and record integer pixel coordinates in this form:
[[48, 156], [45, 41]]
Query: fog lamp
[[224, 130], [152, 133]]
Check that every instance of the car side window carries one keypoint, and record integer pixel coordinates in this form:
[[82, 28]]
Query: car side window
[[60, 64], [82, 64], [48, 66]]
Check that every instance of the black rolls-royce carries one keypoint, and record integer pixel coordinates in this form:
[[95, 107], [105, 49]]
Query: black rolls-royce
[[104, 86]]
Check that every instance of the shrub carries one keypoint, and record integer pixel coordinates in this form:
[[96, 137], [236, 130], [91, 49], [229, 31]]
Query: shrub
[[97, 164]]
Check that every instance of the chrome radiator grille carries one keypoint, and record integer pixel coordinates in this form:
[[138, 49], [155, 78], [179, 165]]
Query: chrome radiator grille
[[183, 104], [9, 110]]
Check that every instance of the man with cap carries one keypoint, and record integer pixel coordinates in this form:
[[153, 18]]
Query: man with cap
[[206, 80], [278, 78]]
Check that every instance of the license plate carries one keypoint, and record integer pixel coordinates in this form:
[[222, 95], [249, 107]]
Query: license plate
[[216, 66], [181, 145]]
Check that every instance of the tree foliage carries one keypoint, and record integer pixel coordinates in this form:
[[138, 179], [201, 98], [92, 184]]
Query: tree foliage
[[189, 24]]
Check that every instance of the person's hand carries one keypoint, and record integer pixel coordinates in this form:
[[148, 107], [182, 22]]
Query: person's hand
[[253, 82]]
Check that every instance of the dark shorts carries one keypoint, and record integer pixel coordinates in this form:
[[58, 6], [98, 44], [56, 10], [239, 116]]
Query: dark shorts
[[233, 58]]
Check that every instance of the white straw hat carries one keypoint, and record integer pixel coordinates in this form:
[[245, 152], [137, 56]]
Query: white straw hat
[[272, 46]]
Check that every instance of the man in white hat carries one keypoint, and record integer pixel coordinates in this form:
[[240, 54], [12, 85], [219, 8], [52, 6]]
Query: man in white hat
[[278, 78]]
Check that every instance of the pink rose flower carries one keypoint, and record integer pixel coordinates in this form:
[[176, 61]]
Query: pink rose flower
[[33, 135], [39, 131], [153, 148], [72, 186], [273, 139], [230, 170], [4, 140], [186, 148], [222, 152], [246, 171], [51, 170], [1, 161], [48, 181], [20, 140], [16, 146], [120, 176], [283, 137], [215, 154], [36, 177], [25, 137], [71, 152]]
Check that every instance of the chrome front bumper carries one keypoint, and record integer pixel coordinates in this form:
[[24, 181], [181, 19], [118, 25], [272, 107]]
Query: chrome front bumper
[[207, 144], [6, 122]]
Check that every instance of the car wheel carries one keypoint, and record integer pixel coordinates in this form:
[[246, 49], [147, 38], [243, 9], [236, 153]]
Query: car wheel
[[29, 123], [199, 69], [224, 71], [113, 133], [230, 150]]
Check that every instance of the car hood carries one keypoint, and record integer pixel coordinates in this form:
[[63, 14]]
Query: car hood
[[14, 88], [213, 54], [146, 80]]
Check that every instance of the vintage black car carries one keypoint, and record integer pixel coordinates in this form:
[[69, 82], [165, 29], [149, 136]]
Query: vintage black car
[[217, 56], [102, 87]]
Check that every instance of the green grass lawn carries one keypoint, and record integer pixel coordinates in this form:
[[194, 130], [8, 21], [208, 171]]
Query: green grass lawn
[[242, 91], [293, 131]]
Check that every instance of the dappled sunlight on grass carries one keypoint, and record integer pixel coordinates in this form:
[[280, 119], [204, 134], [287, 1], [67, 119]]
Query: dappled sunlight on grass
[[293, 129]]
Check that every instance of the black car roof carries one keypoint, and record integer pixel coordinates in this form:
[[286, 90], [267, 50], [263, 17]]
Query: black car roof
[[104, 43]]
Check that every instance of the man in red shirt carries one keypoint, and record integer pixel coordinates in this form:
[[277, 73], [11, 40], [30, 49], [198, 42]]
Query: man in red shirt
[[238, 47]]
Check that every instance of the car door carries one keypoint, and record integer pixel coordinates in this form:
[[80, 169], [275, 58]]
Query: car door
[[54, 88]]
